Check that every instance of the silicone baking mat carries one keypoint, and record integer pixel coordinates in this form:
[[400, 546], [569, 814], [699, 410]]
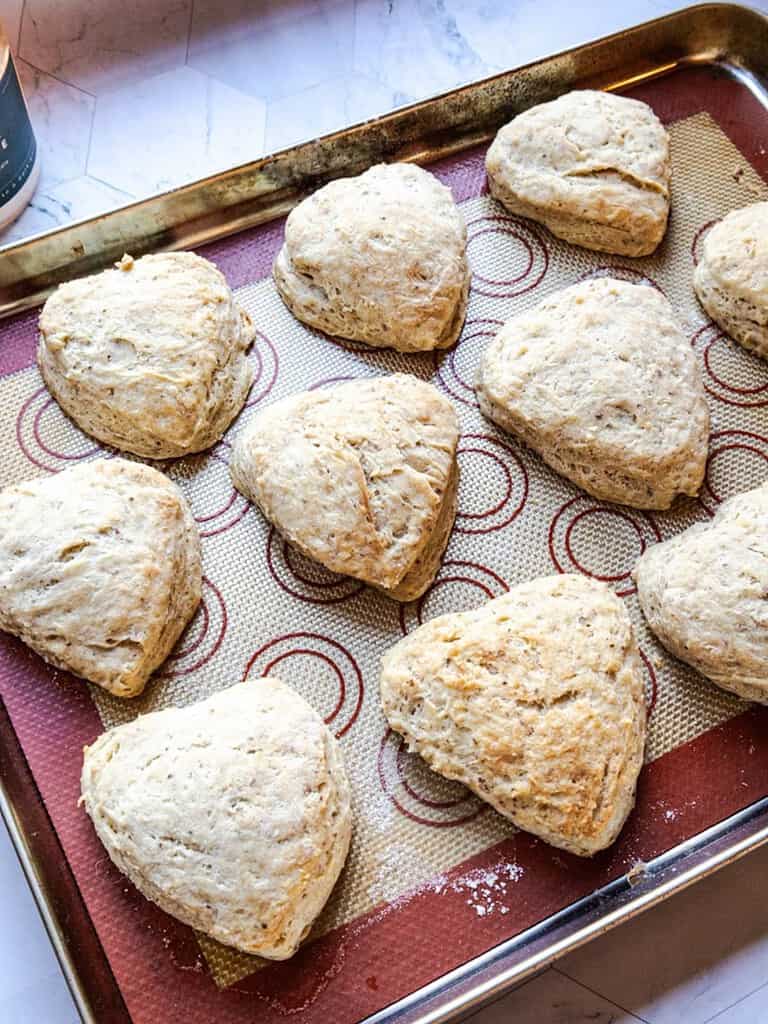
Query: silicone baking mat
[[434, 876]]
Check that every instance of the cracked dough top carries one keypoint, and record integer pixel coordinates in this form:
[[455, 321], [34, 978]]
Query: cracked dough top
[[378, 258], [232, 814], [149, 357], [600, 379], [533, 700], [734, 256], [587, 156], [354, 475], [99, 570], [703, 593]]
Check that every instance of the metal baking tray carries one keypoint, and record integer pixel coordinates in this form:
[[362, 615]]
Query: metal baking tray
[[730, 41]]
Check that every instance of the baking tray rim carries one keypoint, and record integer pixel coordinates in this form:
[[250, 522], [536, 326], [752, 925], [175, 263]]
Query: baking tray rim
[[581, 921], [254, 193], [490, 975]]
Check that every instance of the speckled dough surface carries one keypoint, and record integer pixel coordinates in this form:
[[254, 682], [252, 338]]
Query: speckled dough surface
[[601, 381], [232, 814], [149, 357], [360, 477], [534, 701], [99, 570], [731, 277], [379, 258], [592, 167], [703, 594]]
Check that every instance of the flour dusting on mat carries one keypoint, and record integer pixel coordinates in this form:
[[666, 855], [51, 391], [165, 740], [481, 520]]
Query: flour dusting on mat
[[486, 888]]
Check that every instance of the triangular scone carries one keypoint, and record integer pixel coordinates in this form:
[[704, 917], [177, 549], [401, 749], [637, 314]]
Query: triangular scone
[[99, 570], [703, 593], [232, 814], [360, 477], [380, 258], [600, 380], [534, 701], [731, 277], [592, 167], [149, 357]]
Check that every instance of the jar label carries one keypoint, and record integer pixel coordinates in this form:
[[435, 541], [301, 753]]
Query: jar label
[[17, 139]]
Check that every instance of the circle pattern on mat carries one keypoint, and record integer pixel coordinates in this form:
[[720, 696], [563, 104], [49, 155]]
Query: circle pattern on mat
[[493, 485], [698, 239], [203, 636], [329, 382], [574, 545], [737, 461], [304, 578], [731, 374], [263, 355], [48, 439], [455, 367], [317, 666], [516, 249], [420, 794], [216, 505], [347, 344], [459, 584], [651, 684], [628, 274]]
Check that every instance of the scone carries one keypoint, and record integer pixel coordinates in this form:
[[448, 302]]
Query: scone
[[379, 258], [703, 594], [99, 570], [534, 701], [600, 380], [149, 357], [232, 814], [361, 477], [592, 167], [731, 277]]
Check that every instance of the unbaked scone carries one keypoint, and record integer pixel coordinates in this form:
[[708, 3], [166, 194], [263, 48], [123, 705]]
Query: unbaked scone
[[703, 593], [600, 380], [380, 258], [534, 701], [99, 570], [149, 357], [361, 477], [731, 277], [232, 814], [592, 167]]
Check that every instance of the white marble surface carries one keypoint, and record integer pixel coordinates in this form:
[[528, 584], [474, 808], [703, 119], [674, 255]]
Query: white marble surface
[[132, 96]]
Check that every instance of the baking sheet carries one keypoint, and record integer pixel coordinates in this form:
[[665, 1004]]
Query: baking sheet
[[432, 870]]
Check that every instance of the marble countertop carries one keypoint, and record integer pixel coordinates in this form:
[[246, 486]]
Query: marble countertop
[[132, 98]]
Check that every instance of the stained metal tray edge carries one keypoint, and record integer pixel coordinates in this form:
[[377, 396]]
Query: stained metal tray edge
[[733, 36], [491, 975], [257, 192]]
